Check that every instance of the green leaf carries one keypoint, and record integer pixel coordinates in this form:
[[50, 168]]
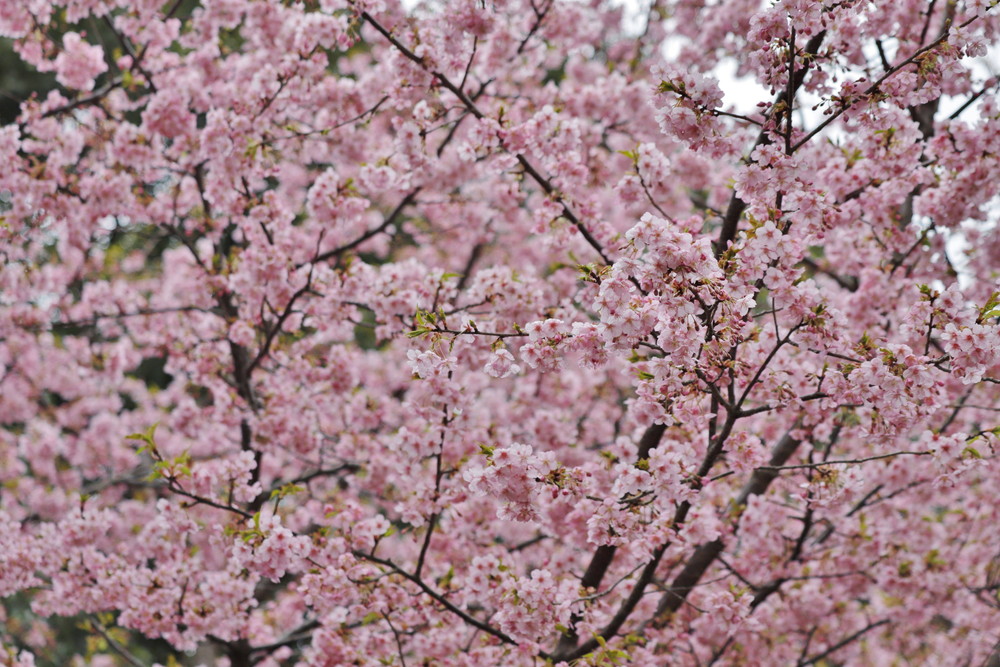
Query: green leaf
[[147, 436], [632, 155], [933, 560], [445, 580], [286, 490], [417, 333], [671, 87], [990, 308]]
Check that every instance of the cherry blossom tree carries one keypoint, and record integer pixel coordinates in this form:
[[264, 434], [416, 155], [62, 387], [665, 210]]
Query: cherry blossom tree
[[346, 332]]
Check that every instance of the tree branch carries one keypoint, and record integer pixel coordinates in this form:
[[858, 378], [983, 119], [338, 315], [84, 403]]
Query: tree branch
[[389, 220], [847, 104], [440, 599], [734, 210], [841, 644], [529, 169], [707, 553], [604, 555]]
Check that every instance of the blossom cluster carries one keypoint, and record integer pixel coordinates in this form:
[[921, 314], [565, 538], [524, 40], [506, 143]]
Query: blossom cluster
[[459, 333]]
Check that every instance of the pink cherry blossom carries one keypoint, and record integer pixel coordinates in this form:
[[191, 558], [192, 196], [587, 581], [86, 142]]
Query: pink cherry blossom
[[79, 62], [502, 364], [469, 334]]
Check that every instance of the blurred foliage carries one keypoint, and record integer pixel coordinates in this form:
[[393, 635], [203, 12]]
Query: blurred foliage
[[55, 641], [18, 81], [58, 641]]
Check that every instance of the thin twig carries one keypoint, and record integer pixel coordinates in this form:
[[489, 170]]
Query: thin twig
[[847, 104], [841, 644], [823, 464], [389, 220], [528, 168], [440, 599], [115, 645]]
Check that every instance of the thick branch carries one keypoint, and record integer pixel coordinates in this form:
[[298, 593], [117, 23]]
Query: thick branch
[[707, 553], [731, 219], [601, 560]]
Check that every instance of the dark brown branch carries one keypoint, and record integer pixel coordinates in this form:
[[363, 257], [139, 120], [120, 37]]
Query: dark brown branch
[[389, 220], [734, 211], [399, 641], [130, 50], [849, 283], [294, 637], [539, 17], [278, 325], [115, 645], [822, 464], [438, 475], [601, 560], [440, 599], [630, 603], [199, 500], [477, 251], [927, 20], [324, 472], [847, 104], [707, 553], [528, 168], [649, 571], [86, 100], [327, 130], [990, 83], [841, 644], [790, 91]]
